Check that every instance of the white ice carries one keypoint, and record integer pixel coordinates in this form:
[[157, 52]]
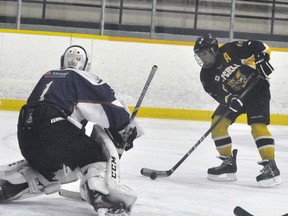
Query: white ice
[[187, 191]]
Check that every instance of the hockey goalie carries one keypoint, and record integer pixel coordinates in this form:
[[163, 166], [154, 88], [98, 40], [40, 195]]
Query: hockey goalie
[[56, 148]]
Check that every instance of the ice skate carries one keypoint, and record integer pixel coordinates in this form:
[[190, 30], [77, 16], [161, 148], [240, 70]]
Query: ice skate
[[270, 174], [10, 191], [226, 171], [105, 207]]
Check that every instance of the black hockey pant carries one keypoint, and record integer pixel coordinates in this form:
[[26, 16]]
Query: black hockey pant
[[48, 141]]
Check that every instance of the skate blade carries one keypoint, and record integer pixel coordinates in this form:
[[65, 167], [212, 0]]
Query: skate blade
[[105, 212], [270, 182], [102, 211], [226, 177]]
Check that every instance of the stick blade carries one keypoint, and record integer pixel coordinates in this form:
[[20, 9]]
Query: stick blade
[[238, 211], [147, 172]]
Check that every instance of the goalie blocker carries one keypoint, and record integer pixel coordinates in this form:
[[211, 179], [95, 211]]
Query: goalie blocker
[[100, 182]]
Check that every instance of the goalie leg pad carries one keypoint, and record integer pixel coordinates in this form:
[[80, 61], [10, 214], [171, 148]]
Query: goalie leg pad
[[66, 175], [11, 168], [21, 181], [118, 191], [96, 190], [95, 178], [111, 185], [16, 186], [93, 189], [37, 183]]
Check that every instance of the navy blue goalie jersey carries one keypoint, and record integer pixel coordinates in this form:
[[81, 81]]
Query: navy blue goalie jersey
[[82, 95]]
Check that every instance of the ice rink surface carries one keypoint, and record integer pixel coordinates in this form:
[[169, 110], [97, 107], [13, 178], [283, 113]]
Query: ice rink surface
[[187, 192]]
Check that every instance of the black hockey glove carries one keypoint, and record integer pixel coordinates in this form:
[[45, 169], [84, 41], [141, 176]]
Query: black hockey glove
[[263, 66], [129, 135], [124, 139], [234, 103]]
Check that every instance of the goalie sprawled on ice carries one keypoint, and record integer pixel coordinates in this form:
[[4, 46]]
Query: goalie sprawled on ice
[[56, 148]]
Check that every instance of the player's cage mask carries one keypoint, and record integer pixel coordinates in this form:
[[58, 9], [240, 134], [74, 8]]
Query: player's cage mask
[[206, 51], [74, 57]]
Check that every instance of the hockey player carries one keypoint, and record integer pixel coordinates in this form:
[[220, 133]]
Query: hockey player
[[55, 146], [226, 72]]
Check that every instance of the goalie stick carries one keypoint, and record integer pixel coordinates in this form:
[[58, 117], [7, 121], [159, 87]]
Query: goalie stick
[[153, 174], [143, 93], [141, 97], [76, 195], [135, 111]]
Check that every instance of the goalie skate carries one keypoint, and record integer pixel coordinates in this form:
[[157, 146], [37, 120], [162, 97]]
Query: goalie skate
[[105, 212], [104, 207], [226, 171], [10, 191]]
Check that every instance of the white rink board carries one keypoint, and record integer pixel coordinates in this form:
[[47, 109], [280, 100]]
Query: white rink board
[[125, 66]]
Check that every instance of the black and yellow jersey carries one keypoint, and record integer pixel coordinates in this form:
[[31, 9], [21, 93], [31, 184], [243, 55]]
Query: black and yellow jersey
[[234, 65]]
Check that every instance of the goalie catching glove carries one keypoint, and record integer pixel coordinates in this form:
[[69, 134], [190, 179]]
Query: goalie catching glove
[[263, 66], [234, 103]]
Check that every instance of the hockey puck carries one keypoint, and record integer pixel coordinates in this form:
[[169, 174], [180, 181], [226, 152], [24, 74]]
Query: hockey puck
[[153, 175]]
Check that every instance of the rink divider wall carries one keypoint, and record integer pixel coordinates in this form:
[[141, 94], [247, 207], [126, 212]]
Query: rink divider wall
[[175, 92], [160, 113]]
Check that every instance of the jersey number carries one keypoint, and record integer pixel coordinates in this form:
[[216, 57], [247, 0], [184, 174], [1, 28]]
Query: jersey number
[[45, 91]]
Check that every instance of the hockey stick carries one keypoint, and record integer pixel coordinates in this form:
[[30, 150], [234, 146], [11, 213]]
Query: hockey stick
[[238, 211], [76, 195], [139, 102], [153, 174], [136, 108]]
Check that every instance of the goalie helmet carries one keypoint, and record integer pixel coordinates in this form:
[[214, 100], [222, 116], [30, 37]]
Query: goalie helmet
[[206, 51], [74, 57]]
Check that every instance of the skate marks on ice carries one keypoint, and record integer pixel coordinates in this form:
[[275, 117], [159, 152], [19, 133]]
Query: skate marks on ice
[[187, 192], [52, 205]]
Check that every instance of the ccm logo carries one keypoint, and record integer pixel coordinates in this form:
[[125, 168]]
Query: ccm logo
[[113, 167]]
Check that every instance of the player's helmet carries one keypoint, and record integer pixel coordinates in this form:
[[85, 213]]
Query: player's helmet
[[74, 57], [206, 51]]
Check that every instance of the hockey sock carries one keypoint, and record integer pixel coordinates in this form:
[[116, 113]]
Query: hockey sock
[[221, 137], [264, 141]]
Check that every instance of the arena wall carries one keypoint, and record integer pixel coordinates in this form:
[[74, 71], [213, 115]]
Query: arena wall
[[125, 63]]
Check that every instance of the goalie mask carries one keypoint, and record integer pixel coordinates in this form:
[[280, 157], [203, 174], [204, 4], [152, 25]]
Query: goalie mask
[[206, 51], [74, 57]]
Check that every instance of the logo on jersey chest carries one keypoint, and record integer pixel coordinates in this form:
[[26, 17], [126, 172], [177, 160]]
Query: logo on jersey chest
[[55, 74], [229, 70], [47, 75]]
